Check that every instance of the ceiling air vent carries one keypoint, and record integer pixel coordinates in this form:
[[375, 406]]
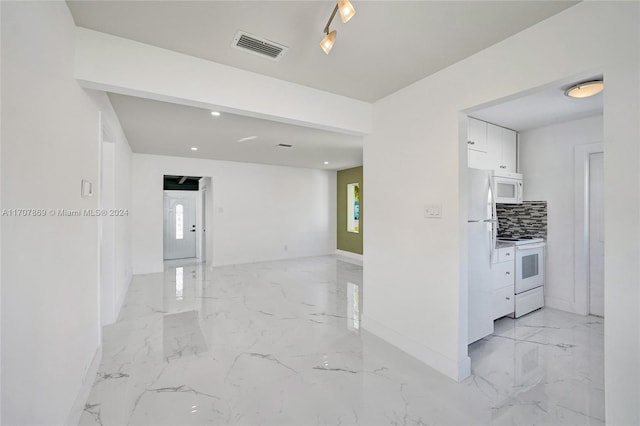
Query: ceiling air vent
[[258, 46], [284, 145]]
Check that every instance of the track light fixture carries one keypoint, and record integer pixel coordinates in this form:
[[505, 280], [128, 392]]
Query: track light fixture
[[346, 12]]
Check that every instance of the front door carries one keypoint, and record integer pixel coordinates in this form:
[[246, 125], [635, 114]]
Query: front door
[[179, 224]]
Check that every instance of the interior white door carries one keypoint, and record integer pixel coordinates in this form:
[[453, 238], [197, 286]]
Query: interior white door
[[179, 224], [596, 234]]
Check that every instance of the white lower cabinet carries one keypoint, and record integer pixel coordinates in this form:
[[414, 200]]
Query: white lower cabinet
[[503, 302], [503, 282], [502, 275]]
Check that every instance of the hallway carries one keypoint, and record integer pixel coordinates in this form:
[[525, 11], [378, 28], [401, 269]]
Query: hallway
[[280, 343]]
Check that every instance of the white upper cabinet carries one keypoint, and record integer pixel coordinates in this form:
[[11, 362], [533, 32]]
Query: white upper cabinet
[[497, 148], [477, 135], [502, 148], [510, 151]]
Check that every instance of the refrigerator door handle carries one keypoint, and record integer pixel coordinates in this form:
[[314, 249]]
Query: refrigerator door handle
[[493, 221]]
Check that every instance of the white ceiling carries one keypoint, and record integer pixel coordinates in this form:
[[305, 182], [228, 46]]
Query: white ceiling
[[541, 108], [386, 46], [162, 128]]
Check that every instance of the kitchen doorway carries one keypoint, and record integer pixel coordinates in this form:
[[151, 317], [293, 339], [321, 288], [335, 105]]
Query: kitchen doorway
[[596, 234]]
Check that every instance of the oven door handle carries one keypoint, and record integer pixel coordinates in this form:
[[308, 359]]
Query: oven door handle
[[530, 246]]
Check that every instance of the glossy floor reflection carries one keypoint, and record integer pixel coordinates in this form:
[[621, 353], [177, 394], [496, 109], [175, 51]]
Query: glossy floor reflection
[[280, 343]]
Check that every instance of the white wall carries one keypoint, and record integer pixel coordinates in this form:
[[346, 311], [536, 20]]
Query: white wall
[[0, 222], [547, 163], [416, 155], [50, 294], [122, 186], [257, 210]]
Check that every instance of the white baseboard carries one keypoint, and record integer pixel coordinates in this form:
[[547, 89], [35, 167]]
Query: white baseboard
[[85, 389], [457, 371], [564, 305], [123, 296], [350, 257]]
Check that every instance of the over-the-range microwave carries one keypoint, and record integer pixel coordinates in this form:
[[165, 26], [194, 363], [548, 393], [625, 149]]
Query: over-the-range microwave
[[507, 187]]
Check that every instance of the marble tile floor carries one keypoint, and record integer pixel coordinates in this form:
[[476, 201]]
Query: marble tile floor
[[280, 343]]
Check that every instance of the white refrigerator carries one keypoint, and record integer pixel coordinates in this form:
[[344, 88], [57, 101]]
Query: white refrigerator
[[482, 226]]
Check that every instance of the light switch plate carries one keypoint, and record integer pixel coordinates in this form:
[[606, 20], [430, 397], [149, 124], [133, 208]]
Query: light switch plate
[[433, 211], [86, 188]]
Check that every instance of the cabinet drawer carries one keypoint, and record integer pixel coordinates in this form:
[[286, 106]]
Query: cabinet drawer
[[503, 302], [506, 254], [502, 275]]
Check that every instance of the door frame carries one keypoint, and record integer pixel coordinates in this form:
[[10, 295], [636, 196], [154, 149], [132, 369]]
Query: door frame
[[581, 224], [106, 234]]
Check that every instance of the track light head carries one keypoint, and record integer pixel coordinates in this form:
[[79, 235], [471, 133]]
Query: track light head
[[327, 41], [346, 10]]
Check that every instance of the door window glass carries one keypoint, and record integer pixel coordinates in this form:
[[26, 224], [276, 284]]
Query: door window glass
[[179, 222]]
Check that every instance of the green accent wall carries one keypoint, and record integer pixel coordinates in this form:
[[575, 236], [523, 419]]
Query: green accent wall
[[349, 241]]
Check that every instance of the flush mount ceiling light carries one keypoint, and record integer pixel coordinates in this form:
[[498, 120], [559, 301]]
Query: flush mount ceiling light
[[346, 12], [194, 148], [585, 89], [248, 138], [326, 162], [215, 113]]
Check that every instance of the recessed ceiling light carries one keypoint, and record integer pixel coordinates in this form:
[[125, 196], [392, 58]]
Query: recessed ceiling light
[[585, 89], [194, 148], [248, 138], [215, 113], [326, 162]]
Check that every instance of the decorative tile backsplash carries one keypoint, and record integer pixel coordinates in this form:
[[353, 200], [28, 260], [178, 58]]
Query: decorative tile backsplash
[[526, 219]]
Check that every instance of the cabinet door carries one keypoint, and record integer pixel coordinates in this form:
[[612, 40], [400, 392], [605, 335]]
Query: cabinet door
[[503, 302], [509, 151], [501, 144], [477, 135], [494, 144], [477, 159]]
